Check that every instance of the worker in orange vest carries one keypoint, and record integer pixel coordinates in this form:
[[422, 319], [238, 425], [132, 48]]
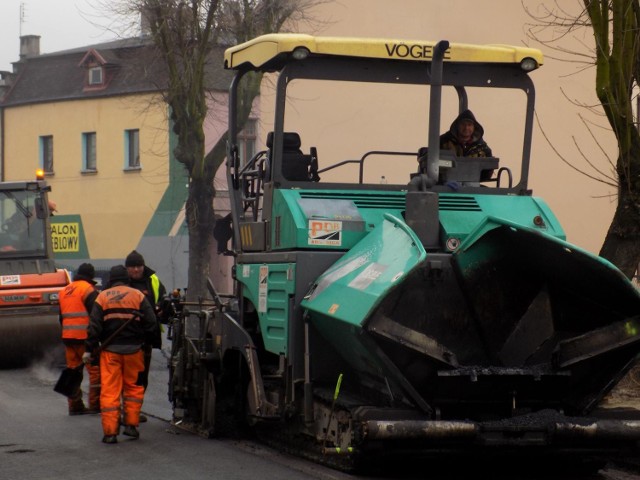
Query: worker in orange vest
[[76, 301], [122, 315]]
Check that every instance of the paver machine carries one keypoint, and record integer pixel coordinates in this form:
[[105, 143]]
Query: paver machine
[[29, 279], [391, 298]]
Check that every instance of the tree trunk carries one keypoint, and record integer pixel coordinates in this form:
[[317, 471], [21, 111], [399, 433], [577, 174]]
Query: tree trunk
[[615, 27], [214, 159], [200, 220], [622, 243], [184, 33]]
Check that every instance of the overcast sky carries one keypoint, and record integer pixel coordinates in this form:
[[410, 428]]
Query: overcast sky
[[61, 24]]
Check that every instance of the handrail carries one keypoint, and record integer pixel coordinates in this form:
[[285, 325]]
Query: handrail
[[509, 174], [251, 162], [252, 183], [363, 158]]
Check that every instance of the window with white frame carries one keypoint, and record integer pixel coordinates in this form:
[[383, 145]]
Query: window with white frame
[[46, 153], [247, 140], [132, 149], [95, 76], [89, 160]]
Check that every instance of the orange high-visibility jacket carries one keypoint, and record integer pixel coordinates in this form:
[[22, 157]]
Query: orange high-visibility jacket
[[75, 318], [112, 308]]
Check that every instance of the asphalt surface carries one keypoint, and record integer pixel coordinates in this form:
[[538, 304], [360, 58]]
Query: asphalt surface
[[38, 440]]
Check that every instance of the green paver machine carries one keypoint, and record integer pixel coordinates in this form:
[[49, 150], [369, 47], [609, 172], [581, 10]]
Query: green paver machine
[[389, 296]]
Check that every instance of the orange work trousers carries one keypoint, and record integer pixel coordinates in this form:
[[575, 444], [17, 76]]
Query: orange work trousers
[[73, 355], [119, 374]]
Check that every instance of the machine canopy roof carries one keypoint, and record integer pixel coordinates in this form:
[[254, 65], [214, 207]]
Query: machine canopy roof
[[272, 51]]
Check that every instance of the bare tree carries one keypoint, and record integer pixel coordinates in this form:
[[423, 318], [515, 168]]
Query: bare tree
[[184, 34], [615, 53]]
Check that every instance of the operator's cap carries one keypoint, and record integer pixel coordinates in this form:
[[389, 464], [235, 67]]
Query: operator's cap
[[134, 259], [118, 273], [85, 272]]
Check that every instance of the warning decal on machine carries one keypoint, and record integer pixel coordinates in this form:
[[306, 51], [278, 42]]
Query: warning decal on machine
[[263, 286], [325, 232], [10, 280]]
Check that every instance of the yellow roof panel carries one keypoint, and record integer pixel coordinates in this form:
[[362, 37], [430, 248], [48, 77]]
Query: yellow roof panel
[[261, 50]]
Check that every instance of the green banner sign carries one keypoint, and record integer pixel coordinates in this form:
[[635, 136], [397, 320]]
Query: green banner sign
[[68, 237]]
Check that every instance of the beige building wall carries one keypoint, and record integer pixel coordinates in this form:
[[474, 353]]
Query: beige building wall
[[584, 207], [103, 199]]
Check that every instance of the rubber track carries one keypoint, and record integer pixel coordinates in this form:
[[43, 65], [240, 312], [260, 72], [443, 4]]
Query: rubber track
[[303, 446]]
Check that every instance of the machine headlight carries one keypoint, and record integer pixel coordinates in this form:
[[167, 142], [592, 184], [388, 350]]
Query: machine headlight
[[528, 64], [300, 53], [453, 243]]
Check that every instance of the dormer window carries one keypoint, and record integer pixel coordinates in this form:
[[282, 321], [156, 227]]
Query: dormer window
[[95, 76], [98, 71]]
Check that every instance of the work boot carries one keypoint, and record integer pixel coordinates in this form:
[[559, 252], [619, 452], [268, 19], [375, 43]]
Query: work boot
[[143, 418], [76, 405], [131, 431], [110, 439], [83, 411]]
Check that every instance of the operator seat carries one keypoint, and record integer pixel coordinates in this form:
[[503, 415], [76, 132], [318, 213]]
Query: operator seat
[[296, 166]]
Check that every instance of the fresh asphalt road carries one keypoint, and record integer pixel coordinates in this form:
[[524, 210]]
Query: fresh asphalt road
[[38, 440]]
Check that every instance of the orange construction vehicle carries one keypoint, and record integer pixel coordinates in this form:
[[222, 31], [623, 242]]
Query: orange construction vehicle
[[29, 279]]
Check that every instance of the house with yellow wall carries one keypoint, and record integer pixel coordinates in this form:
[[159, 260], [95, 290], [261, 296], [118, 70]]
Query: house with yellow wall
[[94, 119]]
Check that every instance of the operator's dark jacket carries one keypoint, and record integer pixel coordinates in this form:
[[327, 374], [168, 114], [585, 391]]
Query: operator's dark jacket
[[145, 285], [476, 148]]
